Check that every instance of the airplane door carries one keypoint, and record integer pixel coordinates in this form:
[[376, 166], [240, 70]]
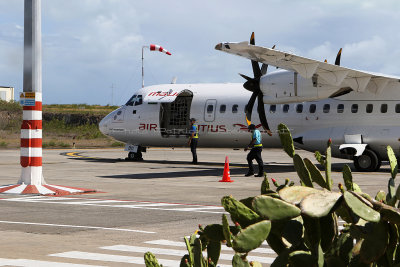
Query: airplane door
[[209, 110]]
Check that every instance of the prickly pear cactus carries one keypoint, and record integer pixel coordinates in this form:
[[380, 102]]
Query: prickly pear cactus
[[150, 260], [286, 139], [300, 223]]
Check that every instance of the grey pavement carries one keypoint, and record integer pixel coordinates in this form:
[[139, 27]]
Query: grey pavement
[[140, 206]]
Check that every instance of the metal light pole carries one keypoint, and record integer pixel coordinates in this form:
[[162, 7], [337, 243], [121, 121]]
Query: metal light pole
[[143, 47]]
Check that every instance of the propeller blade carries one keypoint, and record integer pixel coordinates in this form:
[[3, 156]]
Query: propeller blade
[[249, 107], [339, 54], [246, 77], [261, 113], [256, 68]]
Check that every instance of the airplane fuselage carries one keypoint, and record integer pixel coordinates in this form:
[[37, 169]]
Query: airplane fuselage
[[360, 118]]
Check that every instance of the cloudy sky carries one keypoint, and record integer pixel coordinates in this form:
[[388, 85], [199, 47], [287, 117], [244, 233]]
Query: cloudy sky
[[90, 46]]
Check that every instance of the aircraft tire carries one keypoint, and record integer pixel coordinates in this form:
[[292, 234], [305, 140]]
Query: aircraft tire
[[135, 156], [367, 162]]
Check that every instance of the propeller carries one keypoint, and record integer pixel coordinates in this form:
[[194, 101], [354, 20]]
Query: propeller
[[253, 85]]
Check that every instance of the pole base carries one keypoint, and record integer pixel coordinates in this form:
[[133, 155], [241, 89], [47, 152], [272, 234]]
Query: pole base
[[45, 189]]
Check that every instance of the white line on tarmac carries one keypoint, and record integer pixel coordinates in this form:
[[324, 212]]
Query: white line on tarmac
[[111, 258], [163, 242], [80, 226], [30, 263], [181, 253]]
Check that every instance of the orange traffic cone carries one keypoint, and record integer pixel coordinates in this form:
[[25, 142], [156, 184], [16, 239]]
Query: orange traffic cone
[[226, 177]]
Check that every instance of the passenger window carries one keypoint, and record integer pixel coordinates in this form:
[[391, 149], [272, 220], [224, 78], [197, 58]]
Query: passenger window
[[210, 108], [369, 108], [285, 108], [326, 108], [235, 108], [222, 108], [384, 108], [313, 108], [272, 108], [340, 108], [397, 108], [354, 108], [299, 108]]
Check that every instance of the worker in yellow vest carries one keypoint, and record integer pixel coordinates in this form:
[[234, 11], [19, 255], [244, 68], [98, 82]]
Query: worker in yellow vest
[[255, 152], [193, 139]]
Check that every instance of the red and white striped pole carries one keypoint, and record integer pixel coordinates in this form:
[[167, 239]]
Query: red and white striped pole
[[31, 180], [31, 140]]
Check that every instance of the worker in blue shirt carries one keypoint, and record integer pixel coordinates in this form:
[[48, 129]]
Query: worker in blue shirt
[[255, 152], [193, 139]]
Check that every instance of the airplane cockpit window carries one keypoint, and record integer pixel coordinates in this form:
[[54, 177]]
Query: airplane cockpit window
[[313, 108], [340, 108], [397, 108], [222, 108], [135, 100], [285, 108], [369, 108], [299, 108], [235, 108], [326, 108], [354, 108], [272, 109], [384, 108], [210, 108]]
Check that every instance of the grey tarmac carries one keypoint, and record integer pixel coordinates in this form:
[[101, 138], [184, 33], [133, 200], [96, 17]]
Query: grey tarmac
[[139, 206]]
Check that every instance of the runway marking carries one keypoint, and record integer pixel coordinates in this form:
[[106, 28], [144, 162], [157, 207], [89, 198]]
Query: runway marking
[[132, 204], [79, 226], [163, 242], [36, 263], [111, 258], [180, 253]]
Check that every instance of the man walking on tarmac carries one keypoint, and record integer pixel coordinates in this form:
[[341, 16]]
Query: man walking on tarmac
[[255, 152], [193, 139]]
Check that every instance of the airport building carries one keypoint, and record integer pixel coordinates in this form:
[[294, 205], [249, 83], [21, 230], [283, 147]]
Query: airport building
[[6, 93]]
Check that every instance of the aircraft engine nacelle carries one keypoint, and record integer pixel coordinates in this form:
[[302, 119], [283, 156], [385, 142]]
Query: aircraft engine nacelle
[[288, 87]]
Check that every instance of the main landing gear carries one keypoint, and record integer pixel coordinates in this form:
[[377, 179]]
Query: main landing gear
[[367, 162]]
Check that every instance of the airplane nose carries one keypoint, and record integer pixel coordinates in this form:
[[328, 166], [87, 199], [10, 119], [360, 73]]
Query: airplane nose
[[103, 125]]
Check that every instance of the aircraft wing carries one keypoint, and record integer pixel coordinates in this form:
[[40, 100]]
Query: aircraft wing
[[332, 74]]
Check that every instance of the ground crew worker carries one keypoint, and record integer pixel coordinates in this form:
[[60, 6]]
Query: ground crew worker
[[255, 152], [193, 139]]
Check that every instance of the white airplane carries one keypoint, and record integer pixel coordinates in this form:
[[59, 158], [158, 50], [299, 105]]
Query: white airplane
[[358, 110]]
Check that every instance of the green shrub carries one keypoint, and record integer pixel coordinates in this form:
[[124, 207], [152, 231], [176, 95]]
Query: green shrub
[[3, 144]]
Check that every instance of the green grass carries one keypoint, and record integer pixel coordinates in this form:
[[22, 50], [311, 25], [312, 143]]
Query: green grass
[[3, 144], [86, 131], [117, 144], [10, 106]]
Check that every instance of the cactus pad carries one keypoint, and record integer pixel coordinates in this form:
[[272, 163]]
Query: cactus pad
[[302, 170], [251, 237], [360, 208], [274, 209], [286, 139], [392, 161], [295, 194], [316, 175], [319, 204]]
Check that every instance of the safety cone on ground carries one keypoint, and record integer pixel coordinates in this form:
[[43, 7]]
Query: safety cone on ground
[[226, 177]]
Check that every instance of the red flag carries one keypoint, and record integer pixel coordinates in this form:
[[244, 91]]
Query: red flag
[[154, 47]]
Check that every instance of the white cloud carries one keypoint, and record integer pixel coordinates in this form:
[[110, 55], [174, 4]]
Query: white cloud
[[90, 44]]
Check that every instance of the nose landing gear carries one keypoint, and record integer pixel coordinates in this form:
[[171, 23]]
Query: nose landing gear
[[136, 156]]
